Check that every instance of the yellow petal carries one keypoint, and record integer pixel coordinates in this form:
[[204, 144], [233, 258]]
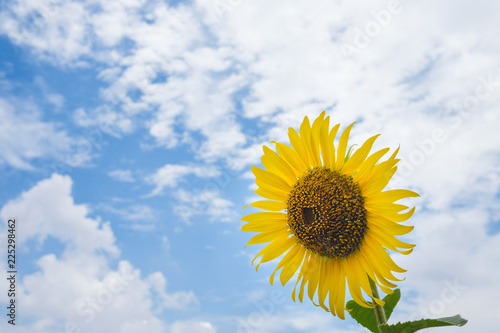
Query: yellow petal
[[268, 236], [389, 241], [359, 156], [264, 226], [299, 146], [400, 217], [363, 278], [331, 139], [367, 166], [292, 267], [325, 147], [275, 249], [275, 164], [381, 254], [391, 227], [314, 279], [269, 205], [378, 183], [264, 216], [390, 196], [367, 267], [271, 189], [286, 259], [383, 208], [341, 153], [393, 156], [340, 289], [358, 270], [313, 142], [303, 274], [324, 279], [270, 179], [332, 285], [380, 172], [375, 265], [354, 284], [305, 135], [265, 193], [292, 158]]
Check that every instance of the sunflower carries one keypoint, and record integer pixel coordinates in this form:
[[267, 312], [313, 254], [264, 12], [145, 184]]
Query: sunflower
[[328, 215]]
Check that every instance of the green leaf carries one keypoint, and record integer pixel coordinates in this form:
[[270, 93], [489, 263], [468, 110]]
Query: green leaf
[[366, 317], [390, 302], [413, 326]]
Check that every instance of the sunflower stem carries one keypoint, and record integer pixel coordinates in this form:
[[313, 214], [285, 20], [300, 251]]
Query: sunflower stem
[[378, 309]]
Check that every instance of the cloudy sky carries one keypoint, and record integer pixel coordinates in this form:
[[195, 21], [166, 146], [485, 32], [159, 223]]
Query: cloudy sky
[[128, 130]]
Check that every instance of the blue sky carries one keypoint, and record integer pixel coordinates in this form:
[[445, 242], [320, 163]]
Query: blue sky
[[128, 131]]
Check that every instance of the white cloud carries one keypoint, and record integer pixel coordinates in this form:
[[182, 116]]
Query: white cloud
[[140, 212], [56, 99], [208, 203], [192, 326], [405, 82], [170, 175], [143, 217], [297, 69], [79, 287], [94, 299], [181, 300], [166, 40], [453, 265], [42, 217], [122, 175], [25, 137], [105, 119], [272, 317], [165, 243], [47, 26]]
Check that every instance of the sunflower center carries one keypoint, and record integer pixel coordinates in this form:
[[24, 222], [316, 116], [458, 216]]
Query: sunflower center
[[326, 212]]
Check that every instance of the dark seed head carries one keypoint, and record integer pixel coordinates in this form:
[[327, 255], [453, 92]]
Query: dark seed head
[[326, 212]]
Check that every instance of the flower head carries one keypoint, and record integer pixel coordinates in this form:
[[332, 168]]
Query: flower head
[[329, 216]]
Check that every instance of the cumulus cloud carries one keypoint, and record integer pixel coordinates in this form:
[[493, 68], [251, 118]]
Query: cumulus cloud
[[180, 300], [436, 271], [142, 217], [208, 203], [122, 175], [46, 26], [25, 136], [170, 175], [272, 317], [47, 209], [214, 74], [104, 118], [79, 288], [166, 43], [183, 60], [192, 326]]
